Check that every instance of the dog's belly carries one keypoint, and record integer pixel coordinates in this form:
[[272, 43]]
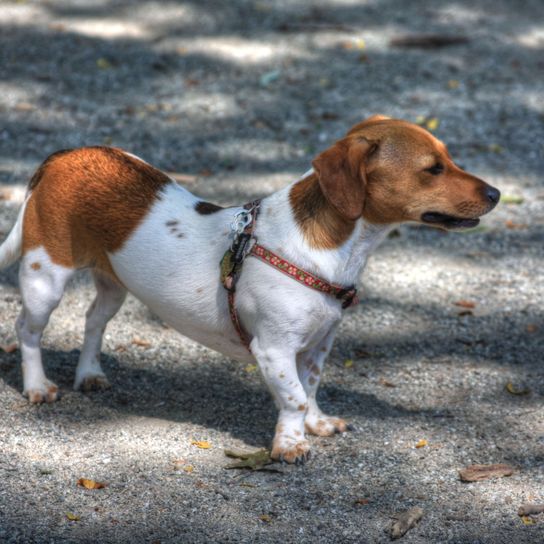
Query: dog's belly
[[171, 263]]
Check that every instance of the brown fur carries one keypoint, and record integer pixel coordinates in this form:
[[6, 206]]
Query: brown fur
[[206, 208], [379, 171], [321, 224], [87, 202]]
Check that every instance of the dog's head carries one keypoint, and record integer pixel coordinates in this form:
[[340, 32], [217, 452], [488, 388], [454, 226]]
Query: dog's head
[[390, 171]]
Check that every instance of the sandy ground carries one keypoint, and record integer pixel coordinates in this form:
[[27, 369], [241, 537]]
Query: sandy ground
[[240, 96]]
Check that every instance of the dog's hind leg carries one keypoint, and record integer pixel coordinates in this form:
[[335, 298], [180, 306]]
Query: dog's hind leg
[[109, 298], [42, 284]]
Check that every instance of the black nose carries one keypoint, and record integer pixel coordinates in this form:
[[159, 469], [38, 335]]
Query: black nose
[[492, 194]]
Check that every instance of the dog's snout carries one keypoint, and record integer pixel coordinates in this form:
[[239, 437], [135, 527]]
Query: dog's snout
[[492, 194]]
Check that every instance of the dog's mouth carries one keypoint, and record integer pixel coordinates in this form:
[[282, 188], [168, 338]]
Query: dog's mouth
[[448, 221]]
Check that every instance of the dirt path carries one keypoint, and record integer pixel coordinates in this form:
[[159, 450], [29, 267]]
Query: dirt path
[[240, 96]]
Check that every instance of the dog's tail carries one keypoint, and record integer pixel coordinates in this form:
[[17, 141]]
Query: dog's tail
[[10, 250]]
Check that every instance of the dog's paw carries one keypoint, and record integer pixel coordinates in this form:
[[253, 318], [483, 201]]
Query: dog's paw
[[45, 392], [322, 425], [96, 382], [289, 450]]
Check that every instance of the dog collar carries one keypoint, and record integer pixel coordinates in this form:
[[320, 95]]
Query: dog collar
[[245, 245]]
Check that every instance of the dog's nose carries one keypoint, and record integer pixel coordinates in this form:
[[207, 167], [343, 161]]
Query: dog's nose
[[492, 194]]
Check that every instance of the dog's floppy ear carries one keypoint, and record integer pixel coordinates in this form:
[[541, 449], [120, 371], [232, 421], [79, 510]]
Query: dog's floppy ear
[[342, 174]]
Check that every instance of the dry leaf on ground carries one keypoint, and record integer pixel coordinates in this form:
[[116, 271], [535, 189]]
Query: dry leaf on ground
[[422, 443], [405, 521], [265, 518], [90, 484], [202, 444], [361, 502], [531, 328], [140, 342], [527, 520], [529, 509], [513, 390], [427, 41], [72, 517], [9, 348], [465, 304], [254, 460], [386, 383], [477, 473], [348, 363]]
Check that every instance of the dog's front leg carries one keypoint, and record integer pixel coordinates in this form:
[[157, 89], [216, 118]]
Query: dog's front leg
[[310, 369], [279, 369]]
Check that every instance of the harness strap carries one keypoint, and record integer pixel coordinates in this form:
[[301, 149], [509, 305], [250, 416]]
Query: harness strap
[[232, 261]]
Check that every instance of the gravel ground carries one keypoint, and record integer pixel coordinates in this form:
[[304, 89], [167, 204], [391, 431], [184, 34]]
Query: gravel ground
[[239, 96]]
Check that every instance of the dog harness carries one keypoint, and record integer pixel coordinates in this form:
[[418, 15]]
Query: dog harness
[[245, 244]]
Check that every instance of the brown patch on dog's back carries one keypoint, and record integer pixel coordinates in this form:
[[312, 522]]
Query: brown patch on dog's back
[[86, 202], [321, 225], [206, 208]]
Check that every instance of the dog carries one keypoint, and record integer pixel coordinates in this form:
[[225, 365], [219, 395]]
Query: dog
[[137, 230]]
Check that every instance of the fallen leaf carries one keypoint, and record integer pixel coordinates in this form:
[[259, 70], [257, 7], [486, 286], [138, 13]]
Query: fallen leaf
[[140, 342], [103, 63], [386, 383], [527, 520], [453, 84], [361, 502], [348, 363], [90, 484], [495, 148], [202, 444], [265, 518], [528, 509], [465, 304], [422, 443], [189, 469], [476, 473], [181, 178], [362, 354], [511, 199], [254, 460], [427, 41], [464, 313], [250, 368], [531, 328], [405, 521], [432, 123], [513, 390], [9, 348], [72, 517], [269, 77], [24, 106], [514, 226]]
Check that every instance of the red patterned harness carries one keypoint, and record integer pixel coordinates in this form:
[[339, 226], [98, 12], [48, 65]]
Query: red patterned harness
[[232, 261]]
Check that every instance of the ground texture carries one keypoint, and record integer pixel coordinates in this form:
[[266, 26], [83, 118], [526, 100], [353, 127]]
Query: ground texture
[[238, 97]]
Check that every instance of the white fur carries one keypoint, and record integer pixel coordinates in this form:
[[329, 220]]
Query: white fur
[[10, 250], [174, 269]]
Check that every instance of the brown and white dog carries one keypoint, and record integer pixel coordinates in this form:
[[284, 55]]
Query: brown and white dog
[[138, 230]]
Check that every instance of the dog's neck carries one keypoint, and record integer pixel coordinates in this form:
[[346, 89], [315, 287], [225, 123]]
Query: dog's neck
[[298, 224]]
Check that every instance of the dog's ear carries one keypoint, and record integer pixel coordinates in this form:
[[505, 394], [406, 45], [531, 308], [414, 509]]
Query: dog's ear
[[342, 174]]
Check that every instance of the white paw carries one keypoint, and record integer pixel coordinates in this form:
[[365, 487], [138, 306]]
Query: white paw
[[92, 382], [290, 450], [322, 425], [44, 392]]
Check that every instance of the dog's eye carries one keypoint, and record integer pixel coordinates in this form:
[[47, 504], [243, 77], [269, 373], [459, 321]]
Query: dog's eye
[[436, 169]]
